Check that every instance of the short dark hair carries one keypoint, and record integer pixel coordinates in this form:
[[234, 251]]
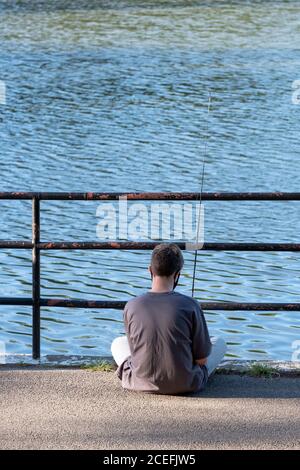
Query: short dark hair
[[166, 259]]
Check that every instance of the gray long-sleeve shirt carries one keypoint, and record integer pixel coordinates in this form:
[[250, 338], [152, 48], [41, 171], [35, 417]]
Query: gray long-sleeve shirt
[[166, 333]]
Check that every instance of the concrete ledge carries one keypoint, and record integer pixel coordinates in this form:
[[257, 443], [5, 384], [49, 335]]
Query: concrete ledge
[[284, 368], [232, 366]]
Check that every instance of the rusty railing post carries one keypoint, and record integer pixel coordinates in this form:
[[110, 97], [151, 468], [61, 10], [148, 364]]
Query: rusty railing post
[[36, 314]]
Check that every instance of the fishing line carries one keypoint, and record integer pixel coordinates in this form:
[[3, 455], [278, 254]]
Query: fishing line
[[201, 190]]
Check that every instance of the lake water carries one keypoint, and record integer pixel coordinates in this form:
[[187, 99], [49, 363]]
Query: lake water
[[112, 96]]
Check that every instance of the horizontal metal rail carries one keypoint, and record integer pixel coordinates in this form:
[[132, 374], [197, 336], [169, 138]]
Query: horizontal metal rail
[[120, 304], [154, 196], [36, 245], [149, 245]]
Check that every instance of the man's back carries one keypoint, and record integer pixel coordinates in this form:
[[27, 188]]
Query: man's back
[[166, 333]]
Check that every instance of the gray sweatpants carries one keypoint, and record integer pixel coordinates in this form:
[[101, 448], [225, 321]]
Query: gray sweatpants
[[120, 351]]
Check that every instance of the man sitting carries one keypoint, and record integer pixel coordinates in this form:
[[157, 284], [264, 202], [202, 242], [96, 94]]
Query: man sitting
[[167, 348]]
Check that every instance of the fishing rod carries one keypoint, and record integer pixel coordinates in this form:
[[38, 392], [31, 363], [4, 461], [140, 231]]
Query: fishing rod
[[201, 190]]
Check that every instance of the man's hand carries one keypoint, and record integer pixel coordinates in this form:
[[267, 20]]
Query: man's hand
[[201, 362]]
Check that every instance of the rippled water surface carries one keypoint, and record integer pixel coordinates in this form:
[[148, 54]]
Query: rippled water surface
[[112, 96]]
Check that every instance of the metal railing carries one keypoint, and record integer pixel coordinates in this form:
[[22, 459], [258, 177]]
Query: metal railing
[[36, 302]]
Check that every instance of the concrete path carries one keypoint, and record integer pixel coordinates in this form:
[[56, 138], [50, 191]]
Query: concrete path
[[78, 409]]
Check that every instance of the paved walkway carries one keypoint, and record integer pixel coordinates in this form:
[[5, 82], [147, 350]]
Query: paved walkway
[[78, 409]]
